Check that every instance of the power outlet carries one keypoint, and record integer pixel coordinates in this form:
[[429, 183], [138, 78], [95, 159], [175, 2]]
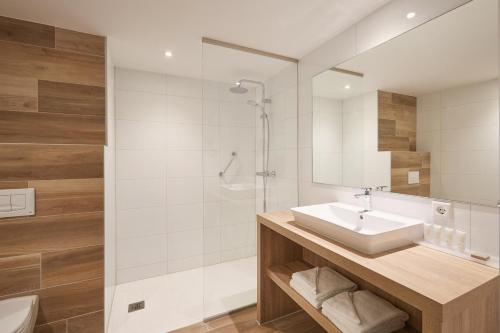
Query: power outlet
[[442, 212]]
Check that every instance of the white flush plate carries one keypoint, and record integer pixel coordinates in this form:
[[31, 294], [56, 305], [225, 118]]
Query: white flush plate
[[17, 202]]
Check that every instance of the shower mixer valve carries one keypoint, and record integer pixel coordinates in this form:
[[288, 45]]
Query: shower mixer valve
[[266, 173]]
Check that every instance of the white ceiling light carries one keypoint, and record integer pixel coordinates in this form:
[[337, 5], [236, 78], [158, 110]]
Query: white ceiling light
[[410, 15], [347, 87], [168, 54]]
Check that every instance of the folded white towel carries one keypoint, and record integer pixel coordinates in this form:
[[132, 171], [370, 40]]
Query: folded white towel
[[376, 314], [317, 285]]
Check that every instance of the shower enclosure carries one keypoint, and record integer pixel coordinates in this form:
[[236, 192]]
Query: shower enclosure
[[249, 162], [196, 160]]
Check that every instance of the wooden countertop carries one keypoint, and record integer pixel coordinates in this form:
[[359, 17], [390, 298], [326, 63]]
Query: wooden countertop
[[423, 277]]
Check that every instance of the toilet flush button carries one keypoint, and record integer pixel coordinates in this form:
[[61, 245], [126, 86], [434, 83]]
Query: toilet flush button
[[18, 201], [5, 203]]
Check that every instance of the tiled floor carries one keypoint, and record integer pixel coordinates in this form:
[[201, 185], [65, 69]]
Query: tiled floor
[[177, 300], [244, 321]]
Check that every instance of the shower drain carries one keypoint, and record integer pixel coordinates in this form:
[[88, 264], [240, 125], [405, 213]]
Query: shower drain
[[132, 307]]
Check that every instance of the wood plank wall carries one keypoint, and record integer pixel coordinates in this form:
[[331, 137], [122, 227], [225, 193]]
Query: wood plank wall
[[403, 162], [397, 122], [52, 132], [397, 132]]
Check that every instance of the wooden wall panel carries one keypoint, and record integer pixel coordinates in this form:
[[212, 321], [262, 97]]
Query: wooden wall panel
[[54, 327], [401, 163], [21, 162], [62, 267], [68, 196], [68, 98], [51, 64], [397, 117], [52, 131], [13, 30], [51, 233], [19, 274], [93, 322], [18, 93], [39, 127], [75, 41], [70, 300]]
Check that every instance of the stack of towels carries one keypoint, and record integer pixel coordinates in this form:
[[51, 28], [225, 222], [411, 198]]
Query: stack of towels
[[350, 310], [317, 284], [363, 312]]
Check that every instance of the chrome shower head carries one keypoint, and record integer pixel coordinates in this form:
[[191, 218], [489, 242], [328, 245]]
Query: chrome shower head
[[238, 89]]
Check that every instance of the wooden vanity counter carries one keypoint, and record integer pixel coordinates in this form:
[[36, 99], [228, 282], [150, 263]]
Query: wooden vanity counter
[[441, 292]]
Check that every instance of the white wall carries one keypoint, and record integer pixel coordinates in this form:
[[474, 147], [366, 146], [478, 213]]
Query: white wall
[[345, 136], [459, 126], [327, 140], [109, 193], [173, 136], [480, 223]]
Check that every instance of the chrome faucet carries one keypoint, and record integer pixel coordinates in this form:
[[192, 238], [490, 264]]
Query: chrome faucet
[[367, 196]]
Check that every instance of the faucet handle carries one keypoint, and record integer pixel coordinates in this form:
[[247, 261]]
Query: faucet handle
[[380, 188]]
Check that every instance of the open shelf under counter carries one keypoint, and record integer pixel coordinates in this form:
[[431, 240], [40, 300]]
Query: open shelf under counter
[[441, 293], [281, 276]]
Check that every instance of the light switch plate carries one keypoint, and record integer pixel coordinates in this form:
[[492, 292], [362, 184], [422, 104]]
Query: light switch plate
[[413, 177]]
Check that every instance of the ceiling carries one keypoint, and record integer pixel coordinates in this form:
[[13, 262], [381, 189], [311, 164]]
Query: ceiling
[[140, 31], [455, 49]]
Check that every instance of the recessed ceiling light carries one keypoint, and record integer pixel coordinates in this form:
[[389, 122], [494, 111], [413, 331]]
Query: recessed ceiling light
[[410, 15], [347, 87], [168, 54]]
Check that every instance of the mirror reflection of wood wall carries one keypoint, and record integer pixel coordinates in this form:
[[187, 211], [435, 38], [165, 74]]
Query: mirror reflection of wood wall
[[397, 133]]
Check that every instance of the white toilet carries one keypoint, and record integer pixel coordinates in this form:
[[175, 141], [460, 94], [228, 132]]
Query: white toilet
[[18, 315]]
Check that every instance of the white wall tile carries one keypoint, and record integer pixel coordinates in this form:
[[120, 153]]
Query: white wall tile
[[184, 190], [133, 164], [132, 80], [141, 251], [184, 110], [184, 217], [144, 106], [141, 222], [184, 163], [485, 230], [141, 272], [185, 264], [185, 244], [182, 86], [139, 193], [140, 135], [184, 137]]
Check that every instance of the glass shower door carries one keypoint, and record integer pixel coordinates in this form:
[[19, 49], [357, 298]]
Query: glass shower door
[[243, 171]]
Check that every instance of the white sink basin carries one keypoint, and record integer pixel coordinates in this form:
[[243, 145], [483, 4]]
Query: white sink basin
[[371, 233]]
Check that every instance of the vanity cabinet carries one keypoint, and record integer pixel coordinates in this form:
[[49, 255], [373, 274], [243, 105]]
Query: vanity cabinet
[[440, 292]]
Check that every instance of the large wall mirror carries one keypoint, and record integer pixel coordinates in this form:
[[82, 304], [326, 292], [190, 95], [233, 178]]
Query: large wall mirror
[[417, 115]]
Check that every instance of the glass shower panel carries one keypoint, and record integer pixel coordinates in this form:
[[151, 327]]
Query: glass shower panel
[[244, 172]]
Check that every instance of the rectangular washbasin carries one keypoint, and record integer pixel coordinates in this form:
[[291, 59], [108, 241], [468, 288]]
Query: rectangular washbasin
[[370, 232]]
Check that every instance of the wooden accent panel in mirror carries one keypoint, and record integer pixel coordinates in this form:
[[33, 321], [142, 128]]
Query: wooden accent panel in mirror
[[403, 162], [397, 118], [52, 132]]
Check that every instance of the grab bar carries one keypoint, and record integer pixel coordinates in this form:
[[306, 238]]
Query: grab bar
[[233, 156]]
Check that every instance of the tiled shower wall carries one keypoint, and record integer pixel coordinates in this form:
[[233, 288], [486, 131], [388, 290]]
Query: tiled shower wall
[[173, 136], [282, 189]]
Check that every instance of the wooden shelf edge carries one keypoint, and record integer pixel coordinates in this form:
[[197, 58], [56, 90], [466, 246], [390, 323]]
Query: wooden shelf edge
[[281, 276]]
